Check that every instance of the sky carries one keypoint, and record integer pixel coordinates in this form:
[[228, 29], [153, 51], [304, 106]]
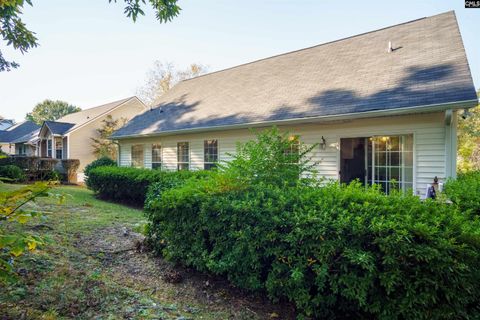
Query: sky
[[91, 54]]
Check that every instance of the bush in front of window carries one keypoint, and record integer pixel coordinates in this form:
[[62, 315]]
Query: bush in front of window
[[464, 192], [100, 162], [130, 185], [12, 173], [335, 251]]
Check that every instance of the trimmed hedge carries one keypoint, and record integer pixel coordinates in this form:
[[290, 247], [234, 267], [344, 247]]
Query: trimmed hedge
[[465, 192], [335, 251], [100, 162], [130, 185], [35, 168], [12, 173]]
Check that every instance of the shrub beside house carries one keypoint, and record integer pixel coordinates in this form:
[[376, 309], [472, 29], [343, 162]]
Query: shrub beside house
[[336, 251]]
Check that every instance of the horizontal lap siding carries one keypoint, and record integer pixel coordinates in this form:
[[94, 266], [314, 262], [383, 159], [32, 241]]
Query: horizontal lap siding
[[80, 140], [125, 157], [430, 156], [428, 130]]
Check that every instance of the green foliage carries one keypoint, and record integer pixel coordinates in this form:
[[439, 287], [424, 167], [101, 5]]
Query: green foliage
[[100, 162], [50, 110], [273, 157], [469, 141], [70, 167], [130, 185], [12, 211], [465, 192], [102, 145], [15, 33], [336, 251], [165, 10], [12, 173], [34, 168]]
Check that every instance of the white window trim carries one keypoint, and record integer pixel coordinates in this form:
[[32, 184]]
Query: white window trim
[[218, 151], [143, 155], [161, 155], [189, 155], [380, 133]]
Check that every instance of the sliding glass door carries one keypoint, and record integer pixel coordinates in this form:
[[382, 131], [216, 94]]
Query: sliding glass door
[[390, 162]]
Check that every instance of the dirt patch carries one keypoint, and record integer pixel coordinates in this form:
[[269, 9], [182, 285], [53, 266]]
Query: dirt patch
[[116, 247]]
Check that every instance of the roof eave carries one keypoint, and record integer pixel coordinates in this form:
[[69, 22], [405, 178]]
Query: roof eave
[[347, 116]]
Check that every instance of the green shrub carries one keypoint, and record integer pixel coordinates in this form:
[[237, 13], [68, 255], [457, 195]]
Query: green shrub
[[100, 162], [465, 192], [51, 175], [130, 185], [12, 173], [335, 251]]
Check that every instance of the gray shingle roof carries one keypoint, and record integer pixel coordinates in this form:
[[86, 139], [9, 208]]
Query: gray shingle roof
[[17, 131], [59, 127], [81, 117], [428, 66], [29, 137]]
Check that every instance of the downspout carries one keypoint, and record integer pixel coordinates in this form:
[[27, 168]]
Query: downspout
[[118, 151], [450, 144]]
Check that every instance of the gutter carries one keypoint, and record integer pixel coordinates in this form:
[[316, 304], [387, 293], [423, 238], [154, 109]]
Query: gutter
[[465, 104]]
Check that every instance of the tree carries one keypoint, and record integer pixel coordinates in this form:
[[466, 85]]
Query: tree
[[162, 77], [15, 33], [103, 146], [50, 110], [469, 141]]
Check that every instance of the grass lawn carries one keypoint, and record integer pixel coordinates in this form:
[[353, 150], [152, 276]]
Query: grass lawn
[[91, 268]]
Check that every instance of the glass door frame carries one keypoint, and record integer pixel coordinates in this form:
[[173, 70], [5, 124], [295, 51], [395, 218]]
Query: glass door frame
[[370, 175]]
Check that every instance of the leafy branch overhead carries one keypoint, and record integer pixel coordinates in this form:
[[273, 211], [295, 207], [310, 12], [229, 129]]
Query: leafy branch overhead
[[15, 33], [165, 10]]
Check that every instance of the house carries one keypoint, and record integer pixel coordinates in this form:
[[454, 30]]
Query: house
[[381, 105], [15, 133], [70, 136]]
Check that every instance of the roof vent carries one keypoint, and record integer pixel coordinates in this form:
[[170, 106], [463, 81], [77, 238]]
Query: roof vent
[[390, 48]]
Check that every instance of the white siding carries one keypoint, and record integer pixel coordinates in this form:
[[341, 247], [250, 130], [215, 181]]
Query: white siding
[[428, 130]]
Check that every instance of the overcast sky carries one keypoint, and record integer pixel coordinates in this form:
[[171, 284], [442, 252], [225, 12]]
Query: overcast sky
[[91, 54]]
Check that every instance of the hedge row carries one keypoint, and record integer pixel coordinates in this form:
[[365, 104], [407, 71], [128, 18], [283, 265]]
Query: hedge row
[[335, 251], [130, 185]]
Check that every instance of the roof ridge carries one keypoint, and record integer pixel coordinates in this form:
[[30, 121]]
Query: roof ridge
[[55, 121], [114, 103], [317, 45]]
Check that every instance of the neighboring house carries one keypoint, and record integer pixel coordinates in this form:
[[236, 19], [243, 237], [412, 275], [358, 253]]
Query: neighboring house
[[9, 138], [381, 105], [70, 137]]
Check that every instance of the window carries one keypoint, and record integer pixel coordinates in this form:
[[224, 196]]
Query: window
[[183, 156], [293, 151], [49, 148], [210, 151], [22, 149], [156, 156], [58, 148], [137, 155], [391, 158]]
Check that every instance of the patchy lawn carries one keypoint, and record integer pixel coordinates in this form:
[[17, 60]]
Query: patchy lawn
[[94, 267]]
